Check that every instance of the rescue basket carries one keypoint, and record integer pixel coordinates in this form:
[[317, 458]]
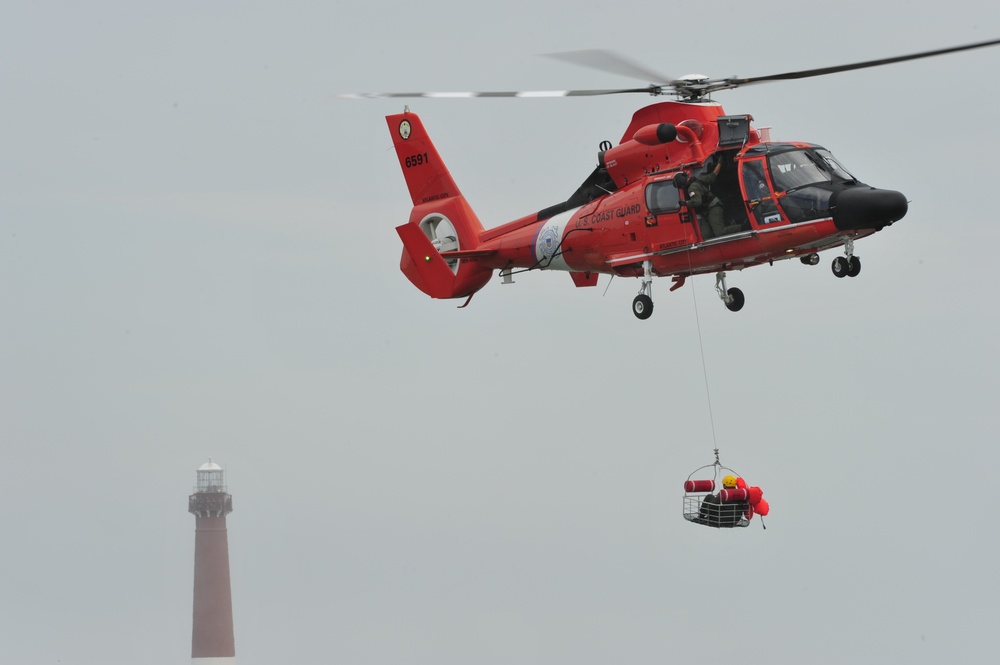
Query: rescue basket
[[727, 509]]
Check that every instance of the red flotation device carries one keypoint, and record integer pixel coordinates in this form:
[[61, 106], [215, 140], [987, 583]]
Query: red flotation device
[[699, 485], [729, 496]]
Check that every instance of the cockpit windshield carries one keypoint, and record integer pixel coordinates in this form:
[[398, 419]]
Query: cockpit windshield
[[839, 172], [798, 168]]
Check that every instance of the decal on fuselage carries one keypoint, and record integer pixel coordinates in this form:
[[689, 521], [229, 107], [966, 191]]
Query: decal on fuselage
[[608, 215], [548, 250]]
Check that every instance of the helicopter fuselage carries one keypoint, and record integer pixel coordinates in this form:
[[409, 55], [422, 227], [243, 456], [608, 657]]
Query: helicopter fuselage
[[631, 217]]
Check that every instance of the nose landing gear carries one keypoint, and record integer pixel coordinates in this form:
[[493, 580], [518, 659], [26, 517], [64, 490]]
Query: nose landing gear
[[849, 265]]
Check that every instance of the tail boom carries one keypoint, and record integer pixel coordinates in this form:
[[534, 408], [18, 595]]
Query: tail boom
[[446, 251]]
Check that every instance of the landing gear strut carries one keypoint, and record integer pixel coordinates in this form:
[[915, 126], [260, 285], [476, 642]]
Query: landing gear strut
[[849, 265], [733, 298], [642, 306]]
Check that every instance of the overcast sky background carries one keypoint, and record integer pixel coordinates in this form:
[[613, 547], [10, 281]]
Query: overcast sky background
[[197, 258]]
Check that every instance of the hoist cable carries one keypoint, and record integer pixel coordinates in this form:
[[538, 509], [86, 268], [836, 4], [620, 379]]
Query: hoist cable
[[704, 368]]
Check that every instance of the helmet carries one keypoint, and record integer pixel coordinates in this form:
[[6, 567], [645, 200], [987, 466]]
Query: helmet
[[729, 482], [681, 180]]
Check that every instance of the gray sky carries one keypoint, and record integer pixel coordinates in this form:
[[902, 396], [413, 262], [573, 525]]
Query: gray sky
[[197, 258]]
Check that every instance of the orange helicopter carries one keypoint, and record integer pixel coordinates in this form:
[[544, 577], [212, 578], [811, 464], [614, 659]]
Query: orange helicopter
[[688, 190]]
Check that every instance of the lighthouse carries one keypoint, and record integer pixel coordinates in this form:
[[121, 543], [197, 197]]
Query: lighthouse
[[212, 634]]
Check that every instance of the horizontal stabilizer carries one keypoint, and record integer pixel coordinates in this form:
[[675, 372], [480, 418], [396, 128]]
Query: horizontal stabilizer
[[469, 253]]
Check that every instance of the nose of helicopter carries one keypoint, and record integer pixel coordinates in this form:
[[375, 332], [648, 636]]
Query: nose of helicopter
[[867, 208]]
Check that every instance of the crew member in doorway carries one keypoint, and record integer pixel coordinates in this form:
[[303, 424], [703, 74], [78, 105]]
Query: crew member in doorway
[[702, 200]]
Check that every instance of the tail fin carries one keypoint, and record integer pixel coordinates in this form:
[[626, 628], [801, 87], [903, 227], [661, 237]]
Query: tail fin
[[441, 222]]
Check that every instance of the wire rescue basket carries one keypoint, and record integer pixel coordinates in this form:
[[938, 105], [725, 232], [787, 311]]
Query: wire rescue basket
[[728, 509]]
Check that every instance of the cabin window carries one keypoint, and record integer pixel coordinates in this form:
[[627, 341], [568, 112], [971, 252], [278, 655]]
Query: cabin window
[[662, 197]]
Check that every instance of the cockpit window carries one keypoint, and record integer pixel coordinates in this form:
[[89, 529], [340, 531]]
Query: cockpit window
[[839, 172], [807, 203], [662, 197], [797, 169]]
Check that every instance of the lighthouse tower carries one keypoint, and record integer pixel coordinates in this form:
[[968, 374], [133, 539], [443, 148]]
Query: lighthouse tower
[[212, 636]]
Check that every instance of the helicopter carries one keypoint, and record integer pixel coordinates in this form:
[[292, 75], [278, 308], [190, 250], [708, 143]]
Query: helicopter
[[634, 215]]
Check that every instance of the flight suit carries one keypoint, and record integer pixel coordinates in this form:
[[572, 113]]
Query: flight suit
[[708, 205]]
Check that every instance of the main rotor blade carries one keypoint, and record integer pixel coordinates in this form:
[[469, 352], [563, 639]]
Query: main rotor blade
[[609, 61], [693, 90], [806, 73], [651, 90]]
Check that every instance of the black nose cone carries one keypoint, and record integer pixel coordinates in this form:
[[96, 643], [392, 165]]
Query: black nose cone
[[867, 208]]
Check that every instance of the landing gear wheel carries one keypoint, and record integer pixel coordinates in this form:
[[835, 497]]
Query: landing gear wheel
[[732, 298], [736, 301], [853, 266], [642, 306], [841, 266]]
